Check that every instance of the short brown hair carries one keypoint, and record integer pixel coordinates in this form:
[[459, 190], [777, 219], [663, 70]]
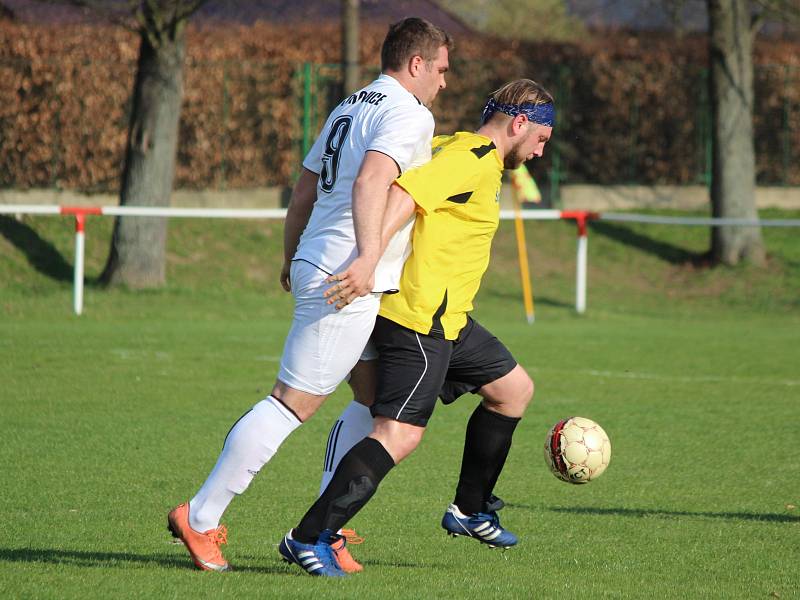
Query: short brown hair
[[410, 37], [522, 91]]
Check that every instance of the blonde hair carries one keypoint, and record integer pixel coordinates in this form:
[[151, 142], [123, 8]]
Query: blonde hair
[[522, 91]]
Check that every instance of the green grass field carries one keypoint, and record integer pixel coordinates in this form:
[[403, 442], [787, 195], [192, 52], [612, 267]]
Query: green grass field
[[111, 418]]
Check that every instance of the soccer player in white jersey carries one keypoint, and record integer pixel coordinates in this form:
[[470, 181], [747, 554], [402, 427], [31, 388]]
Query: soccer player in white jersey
[[333, 226]]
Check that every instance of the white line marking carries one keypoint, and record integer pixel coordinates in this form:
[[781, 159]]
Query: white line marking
[[691, 379]]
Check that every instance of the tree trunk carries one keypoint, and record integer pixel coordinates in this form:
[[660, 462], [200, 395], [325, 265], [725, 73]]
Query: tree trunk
[[350, 47], [733, 162], [137, 258]]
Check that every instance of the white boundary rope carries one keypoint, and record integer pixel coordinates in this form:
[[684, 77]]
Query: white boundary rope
[[579, 216], [706, 221], [145, 211]]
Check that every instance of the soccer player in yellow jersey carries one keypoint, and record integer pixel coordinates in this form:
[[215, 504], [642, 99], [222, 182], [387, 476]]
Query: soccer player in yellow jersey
[[428, 345]]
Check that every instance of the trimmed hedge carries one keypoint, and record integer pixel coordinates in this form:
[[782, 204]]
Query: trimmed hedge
[[631, 109]]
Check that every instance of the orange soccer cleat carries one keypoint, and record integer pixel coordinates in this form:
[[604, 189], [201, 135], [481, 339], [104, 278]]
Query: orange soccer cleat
[[346, 561], [351, 536], [204, 547]]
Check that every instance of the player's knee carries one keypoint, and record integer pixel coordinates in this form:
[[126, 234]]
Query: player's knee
[[399, 439], [521, 388], [401, 445], [511, 394], [528, 389], [302, 404], [407, 446], [523, 394]]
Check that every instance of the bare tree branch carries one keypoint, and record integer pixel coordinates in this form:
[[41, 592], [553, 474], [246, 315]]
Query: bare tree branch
[[190, 8], [145, 28], [153, 17], [782, 9], [757, 21], [5, 12], [149, 15], [140, 19], [118, 15]]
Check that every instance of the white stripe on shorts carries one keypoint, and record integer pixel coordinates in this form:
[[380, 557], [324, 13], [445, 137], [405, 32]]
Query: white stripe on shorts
[[425, 370]]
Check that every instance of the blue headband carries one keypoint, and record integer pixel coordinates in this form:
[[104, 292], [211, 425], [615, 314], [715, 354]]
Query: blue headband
[[541, 114]]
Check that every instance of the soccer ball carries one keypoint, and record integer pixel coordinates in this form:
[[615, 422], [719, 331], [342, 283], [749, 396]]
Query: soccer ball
[[577, 450]]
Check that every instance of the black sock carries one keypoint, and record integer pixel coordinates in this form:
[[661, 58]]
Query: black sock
[[352, 485], [486, 447]]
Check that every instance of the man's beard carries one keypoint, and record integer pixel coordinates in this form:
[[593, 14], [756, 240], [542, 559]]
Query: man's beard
[[514, 158]]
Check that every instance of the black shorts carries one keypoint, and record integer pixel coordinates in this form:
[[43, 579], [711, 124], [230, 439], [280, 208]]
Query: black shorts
[[414, 369]]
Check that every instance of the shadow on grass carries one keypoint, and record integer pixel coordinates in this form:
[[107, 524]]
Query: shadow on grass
[[517, 296], [640, 512], [41, 254], [398, 564], [81, 558], [668, 252]]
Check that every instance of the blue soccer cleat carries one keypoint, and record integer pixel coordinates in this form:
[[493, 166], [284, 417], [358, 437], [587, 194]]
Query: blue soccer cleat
[[315, 559], [493, 504], [484, 527]]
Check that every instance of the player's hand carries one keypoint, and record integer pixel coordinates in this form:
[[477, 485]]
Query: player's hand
[[286, 283], [355, 281]]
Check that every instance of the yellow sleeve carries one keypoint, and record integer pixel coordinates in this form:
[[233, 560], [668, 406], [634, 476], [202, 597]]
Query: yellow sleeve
[[439, 140], [448, 176]]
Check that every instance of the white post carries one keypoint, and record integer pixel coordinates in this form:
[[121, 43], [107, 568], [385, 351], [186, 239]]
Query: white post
[[580, 275], [78, 279]]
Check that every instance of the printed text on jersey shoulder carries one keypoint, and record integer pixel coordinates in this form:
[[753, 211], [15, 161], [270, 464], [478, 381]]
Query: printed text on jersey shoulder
[[363, 96]]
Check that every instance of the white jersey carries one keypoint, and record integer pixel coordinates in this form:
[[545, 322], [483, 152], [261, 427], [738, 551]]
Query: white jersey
[[384, 117]]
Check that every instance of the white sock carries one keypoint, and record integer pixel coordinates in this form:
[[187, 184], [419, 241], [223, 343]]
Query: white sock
[[352, 426], [251, 442]]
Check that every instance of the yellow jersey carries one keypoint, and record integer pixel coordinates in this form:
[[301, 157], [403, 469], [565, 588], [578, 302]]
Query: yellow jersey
[[458, 211]]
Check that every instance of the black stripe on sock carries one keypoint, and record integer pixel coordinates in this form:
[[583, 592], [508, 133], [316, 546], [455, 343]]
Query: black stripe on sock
[[333, 438], [328, 447]]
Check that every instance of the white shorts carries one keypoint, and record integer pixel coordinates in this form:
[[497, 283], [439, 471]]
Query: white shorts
[[323, 344]]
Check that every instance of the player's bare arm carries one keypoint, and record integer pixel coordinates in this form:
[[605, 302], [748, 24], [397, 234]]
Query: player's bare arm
[[302, 201], [400, 207], [370, 192]]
